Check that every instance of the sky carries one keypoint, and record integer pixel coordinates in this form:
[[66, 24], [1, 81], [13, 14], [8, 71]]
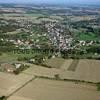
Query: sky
[[53, 1]]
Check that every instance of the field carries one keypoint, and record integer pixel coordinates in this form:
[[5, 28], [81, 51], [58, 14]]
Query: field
[[7, 58], [73, 65], [41, 89], [82, 18], [86, 36], [41, 71], [10, 83], [44, 86], [60, 29], [87, 70], [19, 98], [34, 17], [11, 57], [55, 62]]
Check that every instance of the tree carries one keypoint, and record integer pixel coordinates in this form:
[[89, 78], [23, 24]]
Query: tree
[[57, 76], [98, 86], [3, 98]]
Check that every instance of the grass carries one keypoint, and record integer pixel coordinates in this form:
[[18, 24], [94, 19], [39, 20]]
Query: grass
[[98, 86], [7, 58], [85, 36], [11, 57]]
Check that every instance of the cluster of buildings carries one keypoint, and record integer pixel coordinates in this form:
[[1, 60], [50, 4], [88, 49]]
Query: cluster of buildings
[[60, 39], [81, 43], [9, 67]]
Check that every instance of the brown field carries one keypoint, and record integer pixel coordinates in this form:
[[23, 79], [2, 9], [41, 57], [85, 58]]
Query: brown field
[[73, 65], [88, 70], [26, 87], [18, 98], [42, 89], [9, 82], [42, 71], [55, 62], [67, 63]]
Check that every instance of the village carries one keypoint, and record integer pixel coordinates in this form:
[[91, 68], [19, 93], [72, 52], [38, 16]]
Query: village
[[49, 36], [49, 52]]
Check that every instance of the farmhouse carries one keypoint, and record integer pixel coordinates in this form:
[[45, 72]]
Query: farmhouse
[[6, 67]]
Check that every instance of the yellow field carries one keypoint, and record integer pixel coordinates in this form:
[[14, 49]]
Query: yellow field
[[18, 98], [55, 62], [42, 71], [41, 89], [88, 70], [9, 82], [27, 87]]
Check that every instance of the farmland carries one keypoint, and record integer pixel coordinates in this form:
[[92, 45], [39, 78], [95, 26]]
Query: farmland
[[89, 67], [10, 83], [49, 52], [87, 70], [27, 85], [56, 90], [65, 68]]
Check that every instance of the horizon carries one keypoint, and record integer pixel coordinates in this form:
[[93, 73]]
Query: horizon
[[65, 2]]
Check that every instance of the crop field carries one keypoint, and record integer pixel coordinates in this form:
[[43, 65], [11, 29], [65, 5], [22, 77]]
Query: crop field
[[42, 89], [87, 70], [10, 83], [73, 65], [41, 71], [82, 18], [27, 87], [84, 70], [55, 62], [49, 51], [19, 98]]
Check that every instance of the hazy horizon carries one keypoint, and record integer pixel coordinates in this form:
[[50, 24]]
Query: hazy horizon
[[52, 1]]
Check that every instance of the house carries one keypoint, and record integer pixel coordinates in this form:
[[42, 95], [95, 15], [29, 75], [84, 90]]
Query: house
[[17, 66], [8, 67], [31, 60]]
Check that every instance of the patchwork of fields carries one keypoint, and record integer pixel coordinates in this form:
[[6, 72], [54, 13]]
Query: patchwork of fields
[[87, 70], [39, 83]]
